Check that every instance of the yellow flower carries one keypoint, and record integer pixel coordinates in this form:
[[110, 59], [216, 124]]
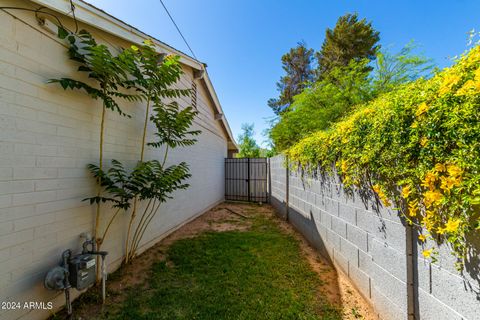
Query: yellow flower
[[386, 202], [439, 167], [148, 42], [423, 141], [422, 108], [134, 48], [344, 166], [427, 221], [406, 191], [469, 87], [414, 125], [432, 197], [427, 253], [477, 75], [413, 208], [474, 55], [429, 214], [449, 182], [381, 195], [452, 225], [422, 238], [429, 180], [454, 170], [448, 82]]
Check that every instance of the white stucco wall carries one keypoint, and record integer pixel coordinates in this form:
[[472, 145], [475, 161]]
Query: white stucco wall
[[48, 136]]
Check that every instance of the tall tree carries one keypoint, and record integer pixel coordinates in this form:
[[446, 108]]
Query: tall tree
[[317, 107], [297, 64], [404, 66], [246, 142], [350, 39]]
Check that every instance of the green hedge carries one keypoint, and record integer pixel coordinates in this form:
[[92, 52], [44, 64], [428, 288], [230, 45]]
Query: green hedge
[[418, 148]]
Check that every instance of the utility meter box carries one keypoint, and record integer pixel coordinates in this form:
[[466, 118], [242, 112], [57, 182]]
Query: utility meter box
[[82, 271]]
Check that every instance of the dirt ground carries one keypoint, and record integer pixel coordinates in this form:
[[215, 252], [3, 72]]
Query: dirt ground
[[225, 217]]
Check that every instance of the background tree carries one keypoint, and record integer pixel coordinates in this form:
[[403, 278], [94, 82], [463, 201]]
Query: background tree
[[351, 39], [316, 108], [404, 66], [297, 64], [247, 144], [266, 153]]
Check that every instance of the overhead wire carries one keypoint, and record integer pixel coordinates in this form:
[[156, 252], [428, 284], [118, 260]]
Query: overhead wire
[[178, 29], [72, 7]]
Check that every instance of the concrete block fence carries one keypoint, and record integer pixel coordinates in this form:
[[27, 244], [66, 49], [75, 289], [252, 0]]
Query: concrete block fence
[[374, 248]]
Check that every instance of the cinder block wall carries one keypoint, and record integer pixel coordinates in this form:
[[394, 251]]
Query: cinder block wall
[[367, 242], [48, 136]]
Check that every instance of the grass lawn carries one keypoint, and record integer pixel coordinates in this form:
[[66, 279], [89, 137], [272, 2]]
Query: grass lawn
[[221, 266], [254, 274]]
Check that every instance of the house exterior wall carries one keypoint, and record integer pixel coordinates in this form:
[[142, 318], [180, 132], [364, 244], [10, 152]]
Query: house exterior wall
[[48, 136], [368, 243]]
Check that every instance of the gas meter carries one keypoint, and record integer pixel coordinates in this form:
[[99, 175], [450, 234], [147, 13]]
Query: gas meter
[[82, 271], [77, 271]]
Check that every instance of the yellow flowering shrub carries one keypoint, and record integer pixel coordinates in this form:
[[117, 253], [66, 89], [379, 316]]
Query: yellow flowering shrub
[[417, 147]]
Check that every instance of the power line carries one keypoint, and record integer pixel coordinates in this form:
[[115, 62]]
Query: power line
[[178, 29]]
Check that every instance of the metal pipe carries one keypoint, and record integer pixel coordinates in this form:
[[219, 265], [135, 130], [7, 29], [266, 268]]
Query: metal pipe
[[104, 277], [103, 270], [66, 256], [68, 302]]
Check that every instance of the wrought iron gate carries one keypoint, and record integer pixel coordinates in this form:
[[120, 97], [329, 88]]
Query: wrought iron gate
[[246, 179]]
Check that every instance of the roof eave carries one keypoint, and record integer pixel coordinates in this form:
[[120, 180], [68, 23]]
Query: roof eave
[[91, 15]]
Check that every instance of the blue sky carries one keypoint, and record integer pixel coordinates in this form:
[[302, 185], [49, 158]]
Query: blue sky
[[242, 41]]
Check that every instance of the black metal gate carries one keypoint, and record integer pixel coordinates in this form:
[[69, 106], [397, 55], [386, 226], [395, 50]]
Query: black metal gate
[[246, 179]]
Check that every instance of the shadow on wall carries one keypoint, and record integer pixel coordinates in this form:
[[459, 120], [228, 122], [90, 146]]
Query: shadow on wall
[[472, 265], [310, 197], [333, 184]]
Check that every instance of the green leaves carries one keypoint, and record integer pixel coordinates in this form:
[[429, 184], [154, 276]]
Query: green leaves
[[247, 144], [316, 108], [62, 33], [113, 76], [421, 138], [110, 72], [147, 180], [153, 73], [341, 88], [173, 125], [297, 64], [392, 70], [351, 39]]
